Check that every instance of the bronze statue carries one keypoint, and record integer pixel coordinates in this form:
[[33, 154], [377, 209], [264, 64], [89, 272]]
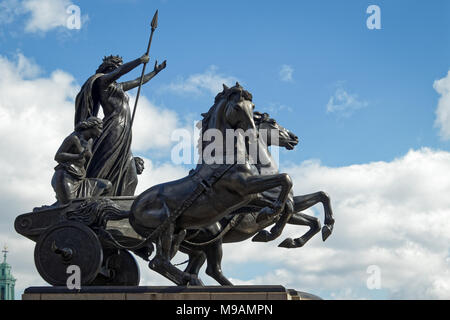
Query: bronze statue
[[206, 243], [69, 180], [97, 221]]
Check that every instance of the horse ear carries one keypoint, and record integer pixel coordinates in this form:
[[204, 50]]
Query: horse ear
[[237, 84], [225, 88]]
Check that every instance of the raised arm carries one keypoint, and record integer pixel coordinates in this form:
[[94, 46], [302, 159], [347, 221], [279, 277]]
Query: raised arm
[[108, 78], [128, 85]]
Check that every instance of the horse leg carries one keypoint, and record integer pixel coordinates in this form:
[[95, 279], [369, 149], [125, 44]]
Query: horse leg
[[258, 184], [177, 240], [196, 261], [304, 202], [214, 255], [276, 230], [161, 262], [302, 219]]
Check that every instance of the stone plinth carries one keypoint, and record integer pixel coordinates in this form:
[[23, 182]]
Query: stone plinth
[[167, 293]]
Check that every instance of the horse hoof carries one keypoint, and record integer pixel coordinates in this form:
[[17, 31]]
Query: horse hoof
[[287, 243], [262, 236], [326, 232], [194, 281]]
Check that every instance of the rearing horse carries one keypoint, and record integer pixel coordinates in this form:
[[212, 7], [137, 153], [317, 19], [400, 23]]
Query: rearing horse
[[206, 244], [209, 193]]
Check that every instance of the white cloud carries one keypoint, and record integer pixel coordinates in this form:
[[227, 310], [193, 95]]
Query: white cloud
[[391, 214], [442, 86], [156, 173], [26, 67], [41, 15], [286, 73], [35, 115], [209, 81], [344, 103], [152, 126], [46, 15]]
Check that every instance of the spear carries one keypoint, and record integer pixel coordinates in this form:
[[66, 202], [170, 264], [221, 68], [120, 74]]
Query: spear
[[154, 25]]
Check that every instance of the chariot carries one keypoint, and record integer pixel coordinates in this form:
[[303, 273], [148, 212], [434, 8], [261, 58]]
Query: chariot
[[85, 233]]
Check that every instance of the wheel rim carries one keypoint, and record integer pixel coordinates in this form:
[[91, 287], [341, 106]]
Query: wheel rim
[[67, 244]]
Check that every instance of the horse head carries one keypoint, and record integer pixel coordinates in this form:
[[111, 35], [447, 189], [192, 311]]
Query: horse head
[[271, 127], [232, 112], [232, 109]]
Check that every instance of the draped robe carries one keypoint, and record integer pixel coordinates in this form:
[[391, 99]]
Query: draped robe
[[111, 152]]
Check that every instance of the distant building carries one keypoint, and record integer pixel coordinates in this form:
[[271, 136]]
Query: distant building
[[7, 281]]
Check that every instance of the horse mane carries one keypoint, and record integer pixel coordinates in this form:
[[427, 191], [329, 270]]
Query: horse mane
[[259, 117], [224, 95]]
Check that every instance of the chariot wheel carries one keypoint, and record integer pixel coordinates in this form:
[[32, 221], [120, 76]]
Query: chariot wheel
[[67, 244], [119, 269]]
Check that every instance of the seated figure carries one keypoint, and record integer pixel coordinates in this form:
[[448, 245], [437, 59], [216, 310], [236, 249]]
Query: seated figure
[[69, 180]]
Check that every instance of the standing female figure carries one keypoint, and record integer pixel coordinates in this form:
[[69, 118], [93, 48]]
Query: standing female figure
[[111, 153]]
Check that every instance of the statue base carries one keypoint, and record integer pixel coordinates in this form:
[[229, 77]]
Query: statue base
[[167, 293]]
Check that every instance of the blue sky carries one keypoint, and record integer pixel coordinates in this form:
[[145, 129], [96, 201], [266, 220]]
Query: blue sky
[[326, 43], [384, 77]]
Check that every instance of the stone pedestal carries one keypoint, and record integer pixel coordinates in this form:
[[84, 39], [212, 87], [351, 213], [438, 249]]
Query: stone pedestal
[[167, 293]]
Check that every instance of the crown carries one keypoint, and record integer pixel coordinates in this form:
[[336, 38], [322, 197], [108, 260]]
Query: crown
[[113, 59]]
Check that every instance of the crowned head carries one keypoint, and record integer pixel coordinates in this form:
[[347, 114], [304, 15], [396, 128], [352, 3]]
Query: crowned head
[[109, 64]]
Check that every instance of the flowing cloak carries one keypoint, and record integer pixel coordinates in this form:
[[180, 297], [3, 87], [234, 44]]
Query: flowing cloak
[[85, 106], [111, 151], [80, 186]]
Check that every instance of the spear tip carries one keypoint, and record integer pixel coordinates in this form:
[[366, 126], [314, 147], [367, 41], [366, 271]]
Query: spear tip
[[154, 23]]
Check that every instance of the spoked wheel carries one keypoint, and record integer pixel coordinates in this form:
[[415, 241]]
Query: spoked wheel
[[119, 269], [67, 244]]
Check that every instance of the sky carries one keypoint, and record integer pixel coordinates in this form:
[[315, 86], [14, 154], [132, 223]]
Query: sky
[[371, 108]]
